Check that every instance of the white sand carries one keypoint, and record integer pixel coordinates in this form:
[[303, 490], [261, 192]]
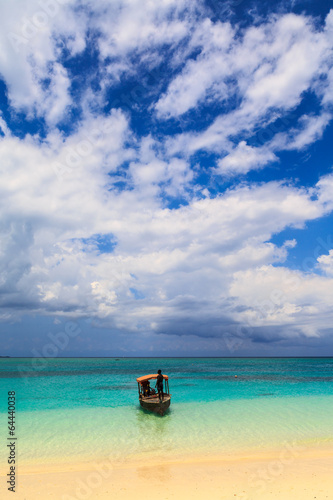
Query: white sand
[[289, 473]]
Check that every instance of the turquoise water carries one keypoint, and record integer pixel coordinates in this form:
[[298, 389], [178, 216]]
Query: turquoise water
[[87, 409]]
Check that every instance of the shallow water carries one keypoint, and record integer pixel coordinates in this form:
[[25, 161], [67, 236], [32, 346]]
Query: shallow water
[[87, 409]]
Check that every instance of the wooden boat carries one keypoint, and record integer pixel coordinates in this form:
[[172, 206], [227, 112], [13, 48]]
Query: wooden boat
[[149, 399]]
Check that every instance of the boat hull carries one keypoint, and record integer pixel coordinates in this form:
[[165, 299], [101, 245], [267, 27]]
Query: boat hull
[[155, 405]]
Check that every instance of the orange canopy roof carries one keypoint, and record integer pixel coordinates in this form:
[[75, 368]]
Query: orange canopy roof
[[148, 377]]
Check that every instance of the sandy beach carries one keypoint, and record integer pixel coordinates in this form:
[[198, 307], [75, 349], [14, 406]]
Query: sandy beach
[[290, 473]]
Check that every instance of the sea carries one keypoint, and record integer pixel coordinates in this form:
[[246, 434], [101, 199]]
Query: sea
[[75, 410]]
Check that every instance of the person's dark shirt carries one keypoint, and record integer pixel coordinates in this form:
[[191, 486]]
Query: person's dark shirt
[[159, 380]]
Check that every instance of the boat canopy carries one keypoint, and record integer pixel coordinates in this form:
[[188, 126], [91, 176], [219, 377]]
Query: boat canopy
[[145, 378]]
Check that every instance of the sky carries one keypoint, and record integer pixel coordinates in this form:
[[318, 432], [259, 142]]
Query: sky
[[166, 182]]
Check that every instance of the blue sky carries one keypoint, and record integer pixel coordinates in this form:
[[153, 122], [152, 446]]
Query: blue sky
[[166, 178]]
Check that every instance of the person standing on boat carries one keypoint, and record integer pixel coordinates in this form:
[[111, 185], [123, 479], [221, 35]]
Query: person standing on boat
[[159, 385]]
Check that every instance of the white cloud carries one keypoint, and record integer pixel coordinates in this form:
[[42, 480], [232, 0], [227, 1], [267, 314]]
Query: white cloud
[[57, 98], [129, 28], [244, 158], [29, 51], [277, 296], [325, 191], [203, 75], [310, 129], [326, 263], [151, 173], [4, 128], [294, 53]]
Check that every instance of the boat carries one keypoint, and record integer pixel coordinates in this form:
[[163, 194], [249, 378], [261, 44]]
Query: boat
[[149, 399]]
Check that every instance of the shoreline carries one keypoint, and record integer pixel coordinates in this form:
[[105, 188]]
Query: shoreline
[[292, 472], [76, 463], [294, 448]]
